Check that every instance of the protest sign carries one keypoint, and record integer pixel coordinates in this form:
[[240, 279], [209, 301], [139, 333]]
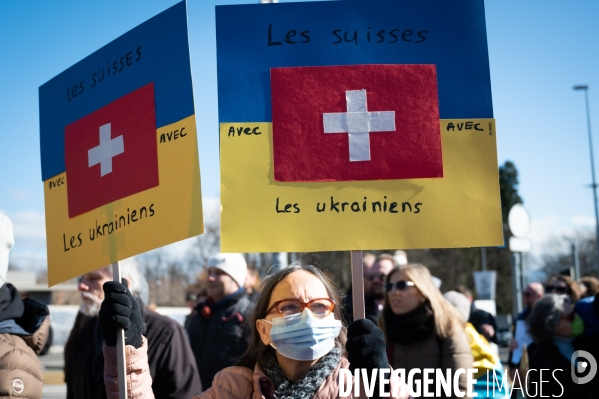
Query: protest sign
[[119, 150], [349, 125]]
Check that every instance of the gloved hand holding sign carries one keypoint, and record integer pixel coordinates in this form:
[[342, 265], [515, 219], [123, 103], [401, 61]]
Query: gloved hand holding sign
[[120, 310]]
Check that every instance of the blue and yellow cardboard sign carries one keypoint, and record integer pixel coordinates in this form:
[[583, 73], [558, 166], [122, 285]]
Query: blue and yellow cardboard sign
[[284, 126], [119, 150]]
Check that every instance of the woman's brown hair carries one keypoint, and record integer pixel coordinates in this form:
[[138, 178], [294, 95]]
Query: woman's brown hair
[[257, 351]]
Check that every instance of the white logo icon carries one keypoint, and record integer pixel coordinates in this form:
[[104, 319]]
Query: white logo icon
[[589, 363], [18, 386]]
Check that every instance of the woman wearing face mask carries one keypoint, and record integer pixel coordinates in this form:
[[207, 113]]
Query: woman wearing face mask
[[296, 348], [423, 330], [553, 325]]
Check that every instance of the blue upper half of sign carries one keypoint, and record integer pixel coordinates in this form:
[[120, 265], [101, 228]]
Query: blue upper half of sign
[[155, 51], [251, 39]]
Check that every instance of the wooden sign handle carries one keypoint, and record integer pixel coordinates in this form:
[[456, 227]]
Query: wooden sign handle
[[357, 283], [357, 288]]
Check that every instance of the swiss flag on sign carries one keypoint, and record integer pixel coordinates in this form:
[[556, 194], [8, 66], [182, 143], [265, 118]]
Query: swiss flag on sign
[[112, 152], [358, 122]]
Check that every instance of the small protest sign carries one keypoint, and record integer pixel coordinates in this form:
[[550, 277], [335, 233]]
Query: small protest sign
[[119, 150]]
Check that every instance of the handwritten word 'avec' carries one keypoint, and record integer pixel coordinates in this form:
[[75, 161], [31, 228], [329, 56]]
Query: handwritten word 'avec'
[[59, 181], [464, 126], [248, 131], [172, 135]]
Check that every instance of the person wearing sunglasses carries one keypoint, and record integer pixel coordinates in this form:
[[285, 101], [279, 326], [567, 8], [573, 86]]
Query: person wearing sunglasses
[[298, 343], [563, 285], [422, 329]]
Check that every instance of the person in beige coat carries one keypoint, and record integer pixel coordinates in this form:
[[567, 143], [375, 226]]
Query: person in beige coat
[[297, 349], [422, 329], [24, 328]]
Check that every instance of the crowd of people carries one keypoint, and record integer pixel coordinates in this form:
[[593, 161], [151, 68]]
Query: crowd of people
[[294, 335]]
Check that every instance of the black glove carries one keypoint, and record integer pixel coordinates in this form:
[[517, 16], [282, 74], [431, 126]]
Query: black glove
[[366, 347], [120, 310]]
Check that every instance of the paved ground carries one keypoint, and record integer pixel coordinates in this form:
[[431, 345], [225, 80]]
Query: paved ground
[[503, 355], [52, 365]]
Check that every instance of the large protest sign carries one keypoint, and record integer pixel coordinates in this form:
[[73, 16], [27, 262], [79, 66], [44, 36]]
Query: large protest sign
[[119, 150], [356, 125]]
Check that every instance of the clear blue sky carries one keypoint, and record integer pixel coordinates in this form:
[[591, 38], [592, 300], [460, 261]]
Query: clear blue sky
[[538, 50]]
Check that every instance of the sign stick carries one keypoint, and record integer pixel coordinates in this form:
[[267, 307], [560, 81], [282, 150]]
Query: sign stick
[[357, 288], [120, 344], [357, 284]]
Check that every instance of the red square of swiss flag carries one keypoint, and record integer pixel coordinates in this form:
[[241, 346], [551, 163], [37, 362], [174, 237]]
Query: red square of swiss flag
[[358, 122], [112, 152]]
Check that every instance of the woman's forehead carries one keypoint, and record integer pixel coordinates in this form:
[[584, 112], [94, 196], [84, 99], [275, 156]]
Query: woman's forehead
[[398, 275], [300, 285]]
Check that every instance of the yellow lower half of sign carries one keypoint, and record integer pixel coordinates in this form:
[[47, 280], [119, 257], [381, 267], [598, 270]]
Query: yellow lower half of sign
[[461, 209], [170, 212]]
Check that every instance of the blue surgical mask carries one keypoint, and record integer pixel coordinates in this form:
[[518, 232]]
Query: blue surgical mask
[[304, 336]]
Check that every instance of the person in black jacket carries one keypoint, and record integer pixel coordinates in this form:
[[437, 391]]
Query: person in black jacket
[[171, 362], [218, 332], [550, 326]]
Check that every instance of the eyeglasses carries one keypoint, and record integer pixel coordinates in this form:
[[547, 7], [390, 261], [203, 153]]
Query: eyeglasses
[[320, 307], [527, 294], [371, 276], [556, 288], [400, 285]]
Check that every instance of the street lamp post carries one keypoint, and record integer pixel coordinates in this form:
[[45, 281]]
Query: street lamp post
[[594, 185]]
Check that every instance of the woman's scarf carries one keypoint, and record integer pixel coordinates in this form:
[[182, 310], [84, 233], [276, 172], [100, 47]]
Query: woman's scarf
[[307, 386], [410, 327]]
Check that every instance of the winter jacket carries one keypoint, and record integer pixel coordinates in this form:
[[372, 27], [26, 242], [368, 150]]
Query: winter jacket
[[171, 361], [490, 379], [231, 383], [433, 352], [139, 381], [24, 328], [549, 370], [217, 334], [588, 310], [478, 317]]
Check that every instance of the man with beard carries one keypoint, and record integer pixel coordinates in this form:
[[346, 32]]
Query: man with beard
[[172, 365], [374, 283]]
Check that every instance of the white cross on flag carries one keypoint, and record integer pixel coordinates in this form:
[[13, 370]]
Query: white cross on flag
[[112, 152], [358, 122], [108, 149]]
